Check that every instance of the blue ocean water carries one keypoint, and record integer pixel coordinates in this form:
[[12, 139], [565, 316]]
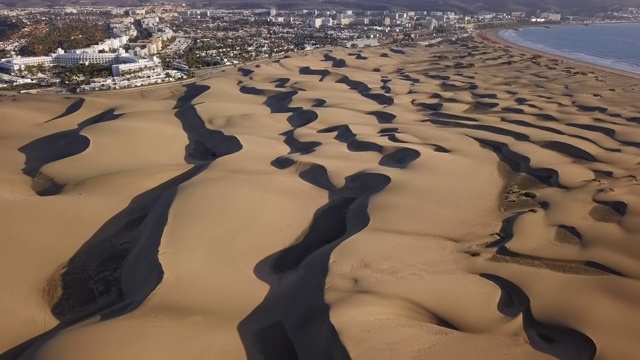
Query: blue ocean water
[[612, 45]]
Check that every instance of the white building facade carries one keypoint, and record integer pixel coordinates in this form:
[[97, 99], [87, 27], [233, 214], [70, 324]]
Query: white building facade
[[316, 23], [120, 69], [74, 59], [429, 23], [18, 64]]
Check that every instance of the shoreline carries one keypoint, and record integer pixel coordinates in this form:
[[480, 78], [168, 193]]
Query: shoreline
[[493, 34]]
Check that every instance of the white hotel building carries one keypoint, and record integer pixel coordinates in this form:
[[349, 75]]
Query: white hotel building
[[76, 58], [120, 69], [18, 64], [96, 54]]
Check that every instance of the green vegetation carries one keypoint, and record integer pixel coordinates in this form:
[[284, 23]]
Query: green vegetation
[[529, 194], [33, 70], [168, 42], [9, 26], [143, 34], [71, 75], [21, 87], [164, 61], [90, 70], [64, 34], [192, 59]]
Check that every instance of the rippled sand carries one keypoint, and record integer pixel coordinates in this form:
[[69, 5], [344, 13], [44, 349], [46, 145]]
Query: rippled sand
[[454, 202]]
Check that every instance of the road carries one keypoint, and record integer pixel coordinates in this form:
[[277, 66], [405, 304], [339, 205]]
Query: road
[[180, 45]]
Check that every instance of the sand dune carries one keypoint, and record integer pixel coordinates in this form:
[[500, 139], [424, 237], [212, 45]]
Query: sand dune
[[462, 201]]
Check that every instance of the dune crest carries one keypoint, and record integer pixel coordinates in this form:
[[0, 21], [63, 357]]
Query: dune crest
[[447, 202]]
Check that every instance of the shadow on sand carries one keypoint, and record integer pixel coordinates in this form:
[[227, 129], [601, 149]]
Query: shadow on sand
[[558, 341], [57, 146], [115, 270], [292, 322]]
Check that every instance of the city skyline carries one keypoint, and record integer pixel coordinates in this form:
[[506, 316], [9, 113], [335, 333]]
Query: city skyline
[[578, 6]]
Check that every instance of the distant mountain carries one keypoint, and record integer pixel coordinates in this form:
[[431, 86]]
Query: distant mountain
[[573, 6]]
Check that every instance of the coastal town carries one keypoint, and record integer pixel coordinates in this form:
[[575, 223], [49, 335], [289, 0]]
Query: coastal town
[[79, 49], [320, 179]]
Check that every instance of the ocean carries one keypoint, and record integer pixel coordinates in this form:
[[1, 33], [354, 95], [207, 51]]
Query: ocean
[[611, 45]]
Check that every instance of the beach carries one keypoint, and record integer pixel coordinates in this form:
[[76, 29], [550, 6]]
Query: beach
[[466, 200], [494, 34]]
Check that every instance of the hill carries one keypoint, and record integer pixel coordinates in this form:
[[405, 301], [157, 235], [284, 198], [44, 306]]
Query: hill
[[573, 6]]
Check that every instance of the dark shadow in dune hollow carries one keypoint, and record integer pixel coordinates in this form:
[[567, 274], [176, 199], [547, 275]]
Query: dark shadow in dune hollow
[[586, 108], [71, 109], [556, 131], [428, 106], [279, 102], [343, 133], [557, 146], [305, 70], [438, 77], [292, 322], [118, 267], [391, 134], [57, 146], [619, 207], [335, 62], [483, 95], [558, 341], [282, 162], [398, 158], [358, 56], [407, 77], [572, 230], [281, 83], [319, 103], [205, 145], [364, 90], [383, 117], [296, 146], [521, 163], [506, 234], [245, 72], [439, 115], [608, 132]]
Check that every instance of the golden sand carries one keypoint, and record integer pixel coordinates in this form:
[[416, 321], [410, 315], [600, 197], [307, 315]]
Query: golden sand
[[461, 201]]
